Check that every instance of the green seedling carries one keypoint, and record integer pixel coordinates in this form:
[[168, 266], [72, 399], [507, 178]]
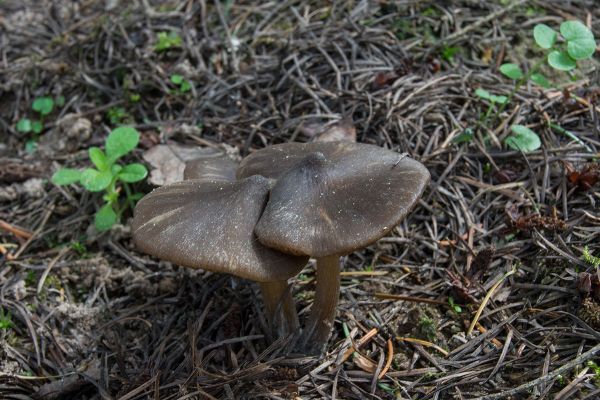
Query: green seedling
[[43, 106], [596, 370], [448, 53], [523, 139], [79, 248], [493, 99], [427, 328], [455, 307], [562, 52], [590, 259], [465, 136], [5, 320], [167, 41], [108, 175], [577, 44], [183, 85], [118, 116]]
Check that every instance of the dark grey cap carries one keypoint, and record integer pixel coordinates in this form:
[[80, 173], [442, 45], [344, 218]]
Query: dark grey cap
[[339, 198], [209, 225]]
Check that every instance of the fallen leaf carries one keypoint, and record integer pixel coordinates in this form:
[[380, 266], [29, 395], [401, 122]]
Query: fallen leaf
[[586, 177], [342, 130], [169, 161]]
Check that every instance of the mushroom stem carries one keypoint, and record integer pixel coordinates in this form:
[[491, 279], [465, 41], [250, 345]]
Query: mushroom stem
[[327, 294], [280, 307]]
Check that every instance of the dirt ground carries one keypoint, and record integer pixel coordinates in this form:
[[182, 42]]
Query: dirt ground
[[503, 242]]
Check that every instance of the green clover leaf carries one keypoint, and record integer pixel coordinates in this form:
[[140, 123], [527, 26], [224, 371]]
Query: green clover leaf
[[561, 61], [544, 36], [43, 105], [580, 40], [512, 71], [524, 139]]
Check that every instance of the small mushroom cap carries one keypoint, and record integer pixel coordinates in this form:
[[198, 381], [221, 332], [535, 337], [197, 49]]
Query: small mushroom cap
[[221, 168], [209, 225], [337, 202]]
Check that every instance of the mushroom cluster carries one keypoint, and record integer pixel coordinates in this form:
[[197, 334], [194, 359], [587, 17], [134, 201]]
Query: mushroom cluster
[[286, 203]]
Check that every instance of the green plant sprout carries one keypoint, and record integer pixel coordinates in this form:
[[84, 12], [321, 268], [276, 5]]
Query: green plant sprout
[[183, 84], [523, 139], [118, 116], [5, 320], [167, 40], [596, 370], [43, 106], [493, 99], [590, 259], [577, 44], [455, 307], [108, 174], [465, 136]]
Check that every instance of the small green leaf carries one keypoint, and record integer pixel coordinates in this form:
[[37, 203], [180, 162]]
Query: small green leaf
[[541, 80], [524, 139], [512, 71], [43, 105], [544, 36], [121, 141], [94, 180], [186, 86], [561, 61], [105, 218], [484, 94], [31, 146], [133, 173], [500, 99], [37, 127], [24, 125], [99, 159], [572, 30], [166, 40], [464, 137], [448, 53], [580, 40], [581, 49], [66, 176], [176, 79]]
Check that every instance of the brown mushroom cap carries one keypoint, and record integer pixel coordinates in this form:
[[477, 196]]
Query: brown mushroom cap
[[271, 162], [221, 168], [209, 225], [334, 201]]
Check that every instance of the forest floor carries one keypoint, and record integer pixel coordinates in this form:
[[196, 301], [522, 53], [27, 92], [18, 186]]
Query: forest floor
[[489, 289]]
